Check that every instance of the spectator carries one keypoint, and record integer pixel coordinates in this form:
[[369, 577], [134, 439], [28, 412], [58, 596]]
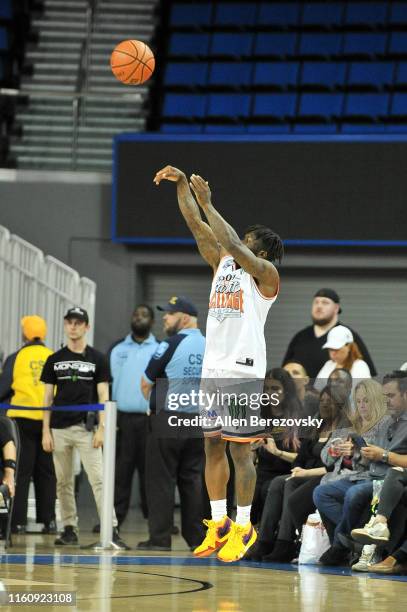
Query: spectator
[[20, 384], [7, 457], [128, 361], [289, 499], [376, 531], [172, 458], [308, 398], [276, 454], [344, 353], [79, 375], [345, 503], [305, 347], [339, 377]]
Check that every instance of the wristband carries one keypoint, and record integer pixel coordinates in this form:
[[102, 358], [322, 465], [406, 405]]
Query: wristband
[[9, 463]]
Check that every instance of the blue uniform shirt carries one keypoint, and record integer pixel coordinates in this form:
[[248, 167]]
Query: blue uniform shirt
[[128, 360], [176, 366]]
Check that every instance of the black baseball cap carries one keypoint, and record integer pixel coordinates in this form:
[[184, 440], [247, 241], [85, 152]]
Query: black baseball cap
[[329, 293], [180, 304], [77, 313]]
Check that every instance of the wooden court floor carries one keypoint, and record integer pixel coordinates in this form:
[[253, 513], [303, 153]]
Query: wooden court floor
[[172, 582]]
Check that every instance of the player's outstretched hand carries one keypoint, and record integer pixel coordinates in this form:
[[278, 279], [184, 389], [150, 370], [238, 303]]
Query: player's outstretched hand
[[200, 187], [169, 173]]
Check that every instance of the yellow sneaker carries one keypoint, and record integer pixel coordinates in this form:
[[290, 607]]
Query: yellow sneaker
[[216, 536], [239, 541]]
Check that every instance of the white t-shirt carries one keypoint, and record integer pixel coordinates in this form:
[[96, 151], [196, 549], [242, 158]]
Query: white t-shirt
[[359, 370], [235, 327]]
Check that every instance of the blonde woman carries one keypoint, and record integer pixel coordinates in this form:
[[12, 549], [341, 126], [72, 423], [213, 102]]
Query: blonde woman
[[370, 407]]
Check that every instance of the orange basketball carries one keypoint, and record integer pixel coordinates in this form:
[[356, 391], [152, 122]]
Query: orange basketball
[[132, 62]]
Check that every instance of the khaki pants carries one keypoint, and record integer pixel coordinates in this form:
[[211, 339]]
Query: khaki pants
[[65, 440]]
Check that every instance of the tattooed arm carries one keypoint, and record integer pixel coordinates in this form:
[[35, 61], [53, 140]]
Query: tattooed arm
[[207, 244]]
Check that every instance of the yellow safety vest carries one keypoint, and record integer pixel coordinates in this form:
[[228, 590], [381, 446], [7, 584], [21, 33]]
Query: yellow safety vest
[[27, 387]]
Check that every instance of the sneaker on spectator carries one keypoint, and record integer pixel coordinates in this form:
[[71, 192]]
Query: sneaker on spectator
[[390, 565], [68, 537], [368, 556], [151, 545], [374, 532], [283, 552], [118, 542], [49, 528], [335, 555]]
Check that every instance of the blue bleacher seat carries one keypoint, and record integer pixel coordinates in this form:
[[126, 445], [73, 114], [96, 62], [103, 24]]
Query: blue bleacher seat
[[6, 9], [184, 105], [230, 73], [278, 45], [320, 44], [399, 104], [186, 73], [366, 13], [398, 43], [279, 74], [401, 75], [233, 45], [275, 105], [322, 13], [243, 14], [321, 105], [189, 44], [218, 128], [268, 128], [365, 43], [181, 128], [363, 128], [4, 42], [315, 128], [323, 74], [367, 105], [183, 14], [229, 105], [372, 74], [280, 14], [398, 14]]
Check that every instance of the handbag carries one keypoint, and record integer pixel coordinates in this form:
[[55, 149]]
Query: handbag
[[314, 540]]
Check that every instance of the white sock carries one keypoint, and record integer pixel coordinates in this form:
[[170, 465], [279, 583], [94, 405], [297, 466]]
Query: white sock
[[243, 515], [218, 509]]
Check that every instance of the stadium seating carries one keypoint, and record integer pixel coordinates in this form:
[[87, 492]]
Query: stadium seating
[[282, 67]]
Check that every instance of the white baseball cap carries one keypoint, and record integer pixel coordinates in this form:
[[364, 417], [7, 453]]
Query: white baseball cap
[[338, 337]]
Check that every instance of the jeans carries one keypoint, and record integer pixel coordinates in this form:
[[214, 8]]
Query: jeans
[[345, 503]]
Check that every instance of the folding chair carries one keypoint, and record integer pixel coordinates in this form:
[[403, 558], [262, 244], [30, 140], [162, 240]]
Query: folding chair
[[7, 503]]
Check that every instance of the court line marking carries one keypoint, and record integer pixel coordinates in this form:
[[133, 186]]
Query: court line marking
[[188, 561]]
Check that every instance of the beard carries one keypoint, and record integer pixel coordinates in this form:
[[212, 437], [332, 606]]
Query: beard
[[322, 321], [140, 329], [171, 331]]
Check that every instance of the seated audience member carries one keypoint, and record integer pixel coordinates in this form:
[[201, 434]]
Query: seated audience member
[[276, 454], [341, 378], [308, 398], [344, 353], [289, 499], [346, 502], [7, 456], [377, 532], [306, 345]]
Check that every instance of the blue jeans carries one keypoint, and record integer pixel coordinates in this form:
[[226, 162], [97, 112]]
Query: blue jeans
[[345, 503]]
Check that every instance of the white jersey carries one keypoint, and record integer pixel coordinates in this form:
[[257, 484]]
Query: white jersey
[[235, 327]]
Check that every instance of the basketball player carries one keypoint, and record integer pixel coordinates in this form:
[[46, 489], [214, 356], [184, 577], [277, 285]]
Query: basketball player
[[244, 286]]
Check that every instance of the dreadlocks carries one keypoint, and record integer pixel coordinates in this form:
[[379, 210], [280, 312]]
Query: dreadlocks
[[268, 241]]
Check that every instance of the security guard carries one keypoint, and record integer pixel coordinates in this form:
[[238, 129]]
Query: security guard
[[173, 457], [20, 384]]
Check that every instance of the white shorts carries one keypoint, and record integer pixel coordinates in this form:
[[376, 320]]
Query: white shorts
[[224, 406]]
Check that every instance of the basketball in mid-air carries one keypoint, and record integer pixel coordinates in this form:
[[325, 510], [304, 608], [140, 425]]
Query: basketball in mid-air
[[132, 62]]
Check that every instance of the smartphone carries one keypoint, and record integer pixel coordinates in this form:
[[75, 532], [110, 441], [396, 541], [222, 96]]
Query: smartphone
[[358, 441]]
